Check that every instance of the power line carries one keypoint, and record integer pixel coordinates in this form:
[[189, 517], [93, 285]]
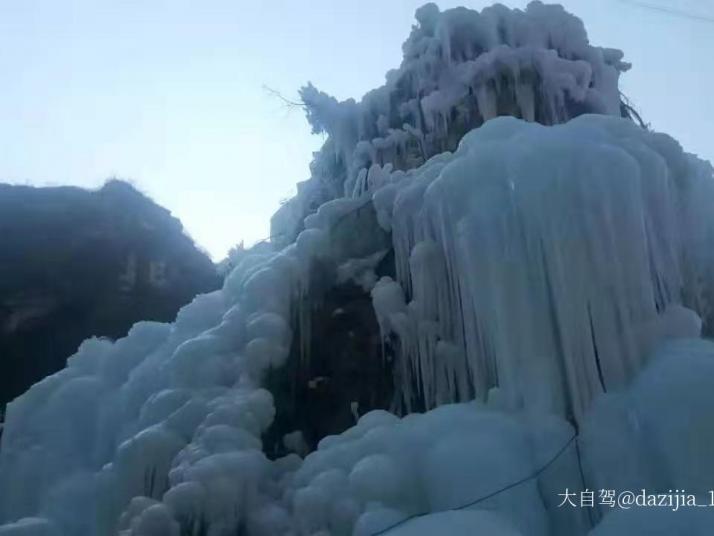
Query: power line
[[533, 475], [669, 11]]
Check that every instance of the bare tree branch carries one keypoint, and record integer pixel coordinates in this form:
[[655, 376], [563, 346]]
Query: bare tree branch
[[287, 102]]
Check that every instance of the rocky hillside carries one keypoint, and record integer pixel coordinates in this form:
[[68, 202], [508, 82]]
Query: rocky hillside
[[76, 263]]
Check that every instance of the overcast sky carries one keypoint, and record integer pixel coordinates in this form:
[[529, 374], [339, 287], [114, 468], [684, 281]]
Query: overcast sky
[[169, 93]]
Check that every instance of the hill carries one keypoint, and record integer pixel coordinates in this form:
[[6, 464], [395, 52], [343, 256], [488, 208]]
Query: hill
[[77, 263]]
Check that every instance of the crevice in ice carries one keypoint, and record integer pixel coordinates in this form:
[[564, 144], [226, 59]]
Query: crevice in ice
[[595, 350]]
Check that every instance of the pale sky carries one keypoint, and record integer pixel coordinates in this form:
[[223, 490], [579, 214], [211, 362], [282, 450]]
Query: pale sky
[[169, 93]]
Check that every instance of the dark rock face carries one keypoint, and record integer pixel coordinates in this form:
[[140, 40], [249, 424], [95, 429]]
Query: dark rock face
[[348, 369], [347, 375], [77, 263]]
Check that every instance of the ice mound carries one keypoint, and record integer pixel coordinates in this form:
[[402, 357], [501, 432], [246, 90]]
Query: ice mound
[[386, 469], [171, 411]]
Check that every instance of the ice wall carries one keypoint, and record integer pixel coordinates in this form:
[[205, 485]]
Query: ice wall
[[541, 264]]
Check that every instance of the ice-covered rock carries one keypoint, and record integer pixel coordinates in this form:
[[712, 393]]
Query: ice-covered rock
[[460, 68], [548, 260]]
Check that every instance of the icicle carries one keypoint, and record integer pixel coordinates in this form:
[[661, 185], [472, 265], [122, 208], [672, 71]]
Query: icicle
[[486, 101], [568, 235], [526, 100]]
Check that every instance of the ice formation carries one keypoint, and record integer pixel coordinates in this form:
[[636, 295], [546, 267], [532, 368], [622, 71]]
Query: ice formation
[[543, 261], [172, 411], [541, 273], [460, 68]]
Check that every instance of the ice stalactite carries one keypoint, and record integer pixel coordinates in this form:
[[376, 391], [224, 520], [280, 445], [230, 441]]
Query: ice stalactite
[[550, 260]]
